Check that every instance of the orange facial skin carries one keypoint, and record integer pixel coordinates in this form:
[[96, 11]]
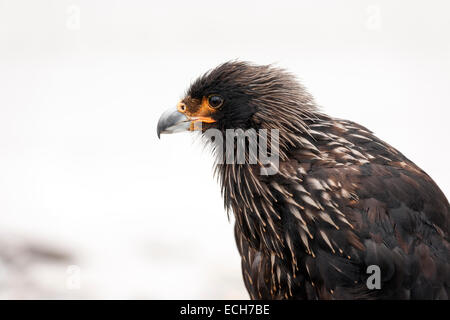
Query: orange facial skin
[[196, 112]]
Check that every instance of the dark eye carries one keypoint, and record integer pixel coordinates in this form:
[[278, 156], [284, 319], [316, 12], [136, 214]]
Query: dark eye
[[215, 101]]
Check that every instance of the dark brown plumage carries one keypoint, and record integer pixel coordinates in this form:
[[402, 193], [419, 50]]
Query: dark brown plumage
[[342, 199]]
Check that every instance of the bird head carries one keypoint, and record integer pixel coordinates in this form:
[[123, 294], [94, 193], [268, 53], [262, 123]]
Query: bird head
[[241, 95]]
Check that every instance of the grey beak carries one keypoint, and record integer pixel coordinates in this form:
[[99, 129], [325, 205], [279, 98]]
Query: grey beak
[[172, 121]]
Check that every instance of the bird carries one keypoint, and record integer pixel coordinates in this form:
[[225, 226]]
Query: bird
[[344, 216]]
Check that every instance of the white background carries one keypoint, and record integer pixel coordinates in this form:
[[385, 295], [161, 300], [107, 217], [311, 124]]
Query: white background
[[83, 83]]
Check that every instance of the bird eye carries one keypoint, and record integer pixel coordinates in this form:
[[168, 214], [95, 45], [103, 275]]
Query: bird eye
[[215, 101]]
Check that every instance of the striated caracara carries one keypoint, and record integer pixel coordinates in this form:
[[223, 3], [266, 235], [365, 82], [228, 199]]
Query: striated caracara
[[341, 207]]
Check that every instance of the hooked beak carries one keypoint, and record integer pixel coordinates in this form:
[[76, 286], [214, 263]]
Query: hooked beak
[[177, 120], [172, 121]]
